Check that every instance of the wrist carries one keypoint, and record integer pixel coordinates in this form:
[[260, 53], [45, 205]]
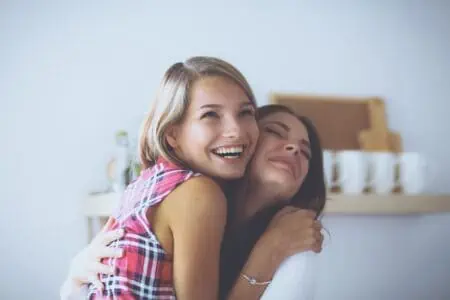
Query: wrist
[[70, 288], [264, 258], [272, 244]]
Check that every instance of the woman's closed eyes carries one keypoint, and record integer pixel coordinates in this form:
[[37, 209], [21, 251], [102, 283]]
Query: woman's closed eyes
[[274, 132], [278, 134]]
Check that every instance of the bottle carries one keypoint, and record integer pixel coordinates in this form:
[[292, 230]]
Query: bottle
[[122, 162], [135, 165]]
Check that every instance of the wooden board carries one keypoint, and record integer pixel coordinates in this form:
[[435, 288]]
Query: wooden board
[[338, 119], [371, 141], [378, 137], [345, 123], [395, 140]]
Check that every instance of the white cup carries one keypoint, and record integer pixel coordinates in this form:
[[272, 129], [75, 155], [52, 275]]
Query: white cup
[[352, 169], [382, 169], [328, 168], [413, 171]]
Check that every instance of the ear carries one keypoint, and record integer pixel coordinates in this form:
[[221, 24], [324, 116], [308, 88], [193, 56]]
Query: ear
[[172, 136]]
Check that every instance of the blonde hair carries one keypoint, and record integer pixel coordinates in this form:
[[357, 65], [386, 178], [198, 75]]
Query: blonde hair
[[172, 101]]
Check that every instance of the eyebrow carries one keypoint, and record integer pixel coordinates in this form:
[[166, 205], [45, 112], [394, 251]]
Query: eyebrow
[[285, 127], [220, 105], [281, 124]]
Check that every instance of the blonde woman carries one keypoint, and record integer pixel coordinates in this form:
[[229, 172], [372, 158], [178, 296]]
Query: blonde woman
[[200, 133]]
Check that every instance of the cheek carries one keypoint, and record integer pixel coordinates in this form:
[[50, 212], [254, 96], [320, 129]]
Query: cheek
[[263, 148], [250, 129], [254, 130], [306, 166], [258, 161], [200, 133], [304, 169]]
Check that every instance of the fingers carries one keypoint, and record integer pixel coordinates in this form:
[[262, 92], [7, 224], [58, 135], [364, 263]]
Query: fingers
[[96, 282], [318, 244], [314, 238], [108, 224], [317, 249], [286, 210], [107, 252], [99, 268], [110, 236], [317, 231], [318, 237], [307, 213], [317, 225]]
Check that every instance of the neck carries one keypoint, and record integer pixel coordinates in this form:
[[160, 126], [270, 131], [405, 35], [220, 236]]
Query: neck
[[251, 197]]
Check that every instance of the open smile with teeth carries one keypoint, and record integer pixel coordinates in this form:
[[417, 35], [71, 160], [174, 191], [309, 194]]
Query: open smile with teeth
[[229, 152]]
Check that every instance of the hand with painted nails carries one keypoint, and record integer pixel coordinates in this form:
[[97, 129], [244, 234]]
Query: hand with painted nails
[[85, 267]]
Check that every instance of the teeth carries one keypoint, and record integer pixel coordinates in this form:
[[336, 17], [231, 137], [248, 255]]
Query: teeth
[[229, 150]]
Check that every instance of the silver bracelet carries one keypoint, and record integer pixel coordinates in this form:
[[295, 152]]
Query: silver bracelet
[[253, 281]]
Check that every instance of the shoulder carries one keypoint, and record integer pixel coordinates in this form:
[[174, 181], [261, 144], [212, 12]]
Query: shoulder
[[199, 196], [198, 190], [199, 185]]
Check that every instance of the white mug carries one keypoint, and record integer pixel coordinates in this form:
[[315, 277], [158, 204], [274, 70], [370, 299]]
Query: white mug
[[413, 171], [328, 168], [352, 169], [382, 169]]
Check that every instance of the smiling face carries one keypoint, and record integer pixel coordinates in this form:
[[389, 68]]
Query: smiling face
[[218, 133], [281, 160]]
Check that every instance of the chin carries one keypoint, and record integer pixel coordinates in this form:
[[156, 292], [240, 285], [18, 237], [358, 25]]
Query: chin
[[281, 178], [281, 185], [231, 175], [225, 173]]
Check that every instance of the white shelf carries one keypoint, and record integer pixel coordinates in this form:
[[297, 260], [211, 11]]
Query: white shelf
[[387, 204], [102, 205]]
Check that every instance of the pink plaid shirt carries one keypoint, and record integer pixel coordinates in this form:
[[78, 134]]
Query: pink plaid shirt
[[145, 269]]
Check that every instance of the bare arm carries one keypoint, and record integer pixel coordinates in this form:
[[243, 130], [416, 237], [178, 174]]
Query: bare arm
[[275, 245], [261, 264], [86, 266], [197, 220]]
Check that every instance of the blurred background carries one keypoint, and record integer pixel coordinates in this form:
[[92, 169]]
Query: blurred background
[[72, 73]]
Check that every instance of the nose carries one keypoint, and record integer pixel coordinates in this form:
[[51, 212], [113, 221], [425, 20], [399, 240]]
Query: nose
[[292, 148], [232, 128]]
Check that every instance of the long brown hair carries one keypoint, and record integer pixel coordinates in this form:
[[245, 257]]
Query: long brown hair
[[237, 244]]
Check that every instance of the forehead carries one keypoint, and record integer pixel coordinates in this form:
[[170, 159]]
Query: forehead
[[217, 90], [296, 127]]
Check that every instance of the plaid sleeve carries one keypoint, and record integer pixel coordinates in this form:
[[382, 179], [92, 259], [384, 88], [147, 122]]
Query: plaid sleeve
[[145, 269], [143, 272]]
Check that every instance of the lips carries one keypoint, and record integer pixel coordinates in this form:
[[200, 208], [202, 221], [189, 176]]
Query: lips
[[231, 151], [285, 162]]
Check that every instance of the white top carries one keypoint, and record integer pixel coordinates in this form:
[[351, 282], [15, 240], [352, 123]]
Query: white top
[[294, 279]]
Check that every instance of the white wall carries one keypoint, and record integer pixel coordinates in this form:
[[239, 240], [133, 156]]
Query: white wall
[[73, 73]]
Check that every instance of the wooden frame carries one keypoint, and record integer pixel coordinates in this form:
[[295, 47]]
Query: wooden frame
[[345, 123]]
